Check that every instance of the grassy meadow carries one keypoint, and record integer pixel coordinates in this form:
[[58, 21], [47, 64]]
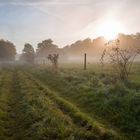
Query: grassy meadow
[[37, 103]]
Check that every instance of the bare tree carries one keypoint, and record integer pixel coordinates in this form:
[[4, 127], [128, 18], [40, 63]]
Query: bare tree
[[54, 60], [121, 59]]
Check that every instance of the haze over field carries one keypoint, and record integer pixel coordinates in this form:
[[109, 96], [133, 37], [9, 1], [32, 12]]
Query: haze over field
[[69, 69], [66, 21]]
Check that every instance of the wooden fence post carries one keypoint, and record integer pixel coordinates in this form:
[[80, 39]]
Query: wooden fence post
[[85, 61]]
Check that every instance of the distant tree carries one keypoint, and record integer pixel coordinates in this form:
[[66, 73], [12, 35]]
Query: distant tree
[[121, 59], [7, 51], [91, 47], [80, 46], [53, 58], [28, 54], [46, 47]]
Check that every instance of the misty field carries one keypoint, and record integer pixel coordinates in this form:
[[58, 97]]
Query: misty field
[[72, 104]]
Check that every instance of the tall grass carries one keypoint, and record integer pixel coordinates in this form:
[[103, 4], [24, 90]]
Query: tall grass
[[97, 93]]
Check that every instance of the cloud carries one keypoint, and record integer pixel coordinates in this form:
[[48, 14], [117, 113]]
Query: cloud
[[44, 2], [62, 20]]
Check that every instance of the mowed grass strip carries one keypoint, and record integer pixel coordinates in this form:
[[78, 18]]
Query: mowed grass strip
[[7, 112], [96, 93], [75, 114], [43, 117]]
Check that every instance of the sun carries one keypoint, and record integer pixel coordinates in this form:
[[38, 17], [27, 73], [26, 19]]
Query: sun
[[109, 29]]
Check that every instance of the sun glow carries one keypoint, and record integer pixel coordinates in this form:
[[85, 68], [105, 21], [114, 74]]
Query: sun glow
[[109, 29]]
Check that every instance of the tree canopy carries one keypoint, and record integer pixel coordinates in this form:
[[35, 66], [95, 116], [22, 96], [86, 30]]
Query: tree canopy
[[7, 51], [28, 54], [46, 47]]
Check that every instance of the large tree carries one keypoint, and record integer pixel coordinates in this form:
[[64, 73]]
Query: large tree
[[28, 54], [46, 47], [7, 51]]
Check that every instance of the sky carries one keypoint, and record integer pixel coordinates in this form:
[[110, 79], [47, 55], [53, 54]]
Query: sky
[[65, 21]]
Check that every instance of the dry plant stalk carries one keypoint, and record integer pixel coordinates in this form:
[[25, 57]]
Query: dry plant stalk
[[120, 59]]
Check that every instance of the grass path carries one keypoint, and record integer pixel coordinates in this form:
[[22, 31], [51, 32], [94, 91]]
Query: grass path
[[27, 114], [75, 114], [30, 111], [48, 120], [8, 107]]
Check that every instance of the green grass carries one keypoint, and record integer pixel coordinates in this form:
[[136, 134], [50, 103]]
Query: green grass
[[78, 118], [98, 94], [73, 104], [28, 110]]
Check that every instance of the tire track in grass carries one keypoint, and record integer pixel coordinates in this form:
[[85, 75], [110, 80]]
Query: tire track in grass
[[11, 108], [6, 120], [78, 118], [7, 108], [16, 111], [3, 104], [49, 121]]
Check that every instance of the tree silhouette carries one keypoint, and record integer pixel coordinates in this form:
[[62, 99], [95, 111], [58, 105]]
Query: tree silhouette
[[54, 60], [7, 51], [46, 47], [121, 59], [28, 54]]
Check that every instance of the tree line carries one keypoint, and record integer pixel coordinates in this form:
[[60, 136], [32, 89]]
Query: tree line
[[93, 48]]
